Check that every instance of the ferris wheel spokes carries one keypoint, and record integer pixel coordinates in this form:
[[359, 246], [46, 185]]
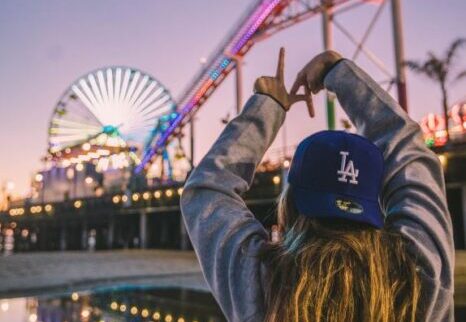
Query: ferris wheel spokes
[[110, 102]]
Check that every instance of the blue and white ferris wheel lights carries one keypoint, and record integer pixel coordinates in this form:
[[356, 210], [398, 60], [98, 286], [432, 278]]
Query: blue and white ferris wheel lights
[[117, 101]]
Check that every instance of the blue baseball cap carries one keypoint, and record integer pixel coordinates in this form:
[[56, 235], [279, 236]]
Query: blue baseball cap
[[335, 174]]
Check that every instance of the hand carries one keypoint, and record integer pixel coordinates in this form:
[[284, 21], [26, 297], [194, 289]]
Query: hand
[[275, 87], [313, 74]]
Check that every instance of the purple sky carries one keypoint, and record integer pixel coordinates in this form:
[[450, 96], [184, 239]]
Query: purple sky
[[46, 45]]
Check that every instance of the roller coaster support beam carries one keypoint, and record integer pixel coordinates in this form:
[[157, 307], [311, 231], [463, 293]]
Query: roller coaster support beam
[[399, 54], [263, 19], [238, 60], [239, 83], [328, 44], [191, 141]]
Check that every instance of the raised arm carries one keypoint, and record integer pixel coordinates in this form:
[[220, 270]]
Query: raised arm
[[225, 234], [413, 195]]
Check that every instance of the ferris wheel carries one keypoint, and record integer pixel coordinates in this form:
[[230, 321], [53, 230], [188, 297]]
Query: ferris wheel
[[115, 106]]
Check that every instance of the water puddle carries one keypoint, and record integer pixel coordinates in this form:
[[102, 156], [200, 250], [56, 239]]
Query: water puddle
[[116, 304]]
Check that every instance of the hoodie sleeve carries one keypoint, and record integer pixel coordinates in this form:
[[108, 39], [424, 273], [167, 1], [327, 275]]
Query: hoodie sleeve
[[225, 234], [413, 195]]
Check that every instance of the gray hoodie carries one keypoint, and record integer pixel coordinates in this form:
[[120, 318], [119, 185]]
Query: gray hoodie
[[225, 233]]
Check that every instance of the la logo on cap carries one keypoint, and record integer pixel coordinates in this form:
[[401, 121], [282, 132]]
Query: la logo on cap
[[335, 174], [347, 169]]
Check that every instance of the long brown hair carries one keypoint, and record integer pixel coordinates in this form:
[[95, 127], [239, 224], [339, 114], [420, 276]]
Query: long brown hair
[[330, 270]]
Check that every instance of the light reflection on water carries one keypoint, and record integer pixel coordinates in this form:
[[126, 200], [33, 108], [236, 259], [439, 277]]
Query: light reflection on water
[[18, 310], [133, 305]]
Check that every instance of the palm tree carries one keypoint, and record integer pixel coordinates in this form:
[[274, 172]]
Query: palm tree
[[440, 70]]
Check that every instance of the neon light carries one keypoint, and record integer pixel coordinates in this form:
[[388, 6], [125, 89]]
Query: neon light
[[258, 21], [434, 126]]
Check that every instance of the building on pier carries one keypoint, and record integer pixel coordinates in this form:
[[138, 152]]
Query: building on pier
[[148, 218]]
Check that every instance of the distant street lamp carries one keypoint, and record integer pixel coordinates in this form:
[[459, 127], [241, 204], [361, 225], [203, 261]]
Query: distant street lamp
[[89, 180], [70, 173], [39, 177], [10, 186]]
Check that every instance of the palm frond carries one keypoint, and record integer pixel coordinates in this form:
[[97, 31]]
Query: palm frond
[[427, 68], [440, 69], [451, 52], [415, 66], [460, 75]]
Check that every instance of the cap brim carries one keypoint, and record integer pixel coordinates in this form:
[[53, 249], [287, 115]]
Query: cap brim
[[317, 204]]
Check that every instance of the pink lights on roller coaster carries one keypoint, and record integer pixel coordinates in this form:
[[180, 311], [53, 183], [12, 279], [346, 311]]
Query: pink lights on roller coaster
[[254, 23], [235, 47]]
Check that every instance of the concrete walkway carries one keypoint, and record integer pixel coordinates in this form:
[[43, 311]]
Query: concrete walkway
[[39, 273]]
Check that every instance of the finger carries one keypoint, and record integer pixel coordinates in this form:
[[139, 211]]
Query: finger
[[315, 85], [317, 89], [297, 84], [297, 98], [257, 84], [309, 102], [281, 65]]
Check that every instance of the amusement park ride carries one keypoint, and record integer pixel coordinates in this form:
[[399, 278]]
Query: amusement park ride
[[118, 128], [115, 167], [99, 130]]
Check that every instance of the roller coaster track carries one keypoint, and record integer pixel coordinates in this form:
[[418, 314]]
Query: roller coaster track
[[263, 19]]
